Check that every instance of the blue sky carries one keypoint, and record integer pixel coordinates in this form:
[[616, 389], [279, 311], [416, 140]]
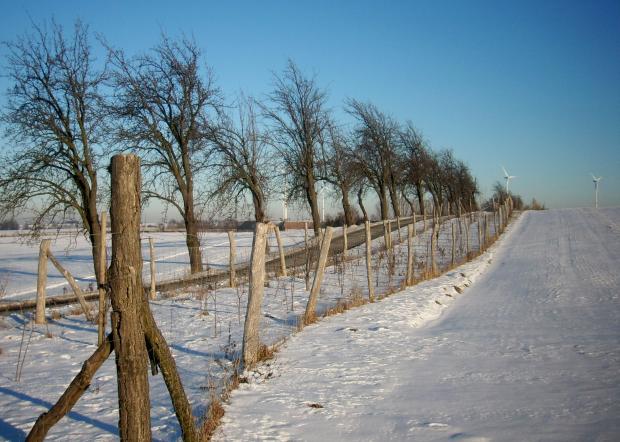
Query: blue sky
[[531, 85]]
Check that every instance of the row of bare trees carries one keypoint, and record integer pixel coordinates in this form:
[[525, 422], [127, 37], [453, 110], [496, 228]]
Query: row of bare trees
[[66, 113]]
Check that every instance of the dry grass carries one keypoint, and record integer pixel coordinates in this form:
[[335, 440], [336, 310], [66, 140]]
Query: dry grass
[[265, 353], [55, 315]]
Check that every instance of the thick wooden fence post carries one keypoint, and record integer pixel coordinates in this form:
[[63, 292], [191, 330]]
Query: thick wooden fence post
[[410, 255], [251, 341], [433, 246], [479, 225], [127, 297], [42, 281], [371, 287], [276, 229], [152, 291], [318, 276], [466, 221], [101, 288], [232, 258]]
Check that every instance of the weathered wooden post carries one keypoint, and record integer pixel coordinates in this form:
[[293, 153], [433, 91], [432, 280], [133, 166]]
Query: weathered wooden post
[[307, 264], [127, 297], [152, 291], [386, 238], [276, 229], [76, 288], [42, 281], [318, 276], [453, 244], [101, 288], [479, 225], [345, 246], [371, 288], [232, 258], [466, 221], [433, 246], [251, 340], [410, 256]]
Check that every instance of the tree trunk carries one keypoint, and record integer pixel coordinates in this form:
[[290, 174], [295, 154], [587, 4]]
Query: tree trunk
[[312, 202], [385, 211], [192, 241], [360, 201], [259, 207], [251, 340], [127, 298], [346, 206], [394, 198], [420, 194]]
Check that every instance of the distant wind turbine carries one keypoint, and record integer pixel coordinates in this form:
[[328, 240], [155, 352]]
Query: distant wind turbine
[[507, 177], [595, 180]]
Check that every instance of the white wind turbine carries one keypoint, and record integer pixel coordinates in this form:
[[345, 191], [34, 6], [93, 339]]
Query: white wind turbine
[[595, 180], [507, 177]]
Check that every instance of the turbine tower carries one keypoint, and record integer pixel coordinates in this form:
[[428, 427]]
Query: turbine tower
[[595, 180], [507, 177]]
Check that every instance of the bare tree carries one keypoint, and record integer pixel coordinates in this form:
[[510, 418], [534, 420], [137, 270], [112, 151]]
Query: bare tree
[[298, 115], [55, 121], [375, 151], [162, 103], [243, 160], [416, 158], [338, 168]]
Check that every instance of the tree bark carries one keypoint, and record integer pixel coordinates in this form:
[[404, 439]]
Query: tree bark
[[251, 340], [127, 301]]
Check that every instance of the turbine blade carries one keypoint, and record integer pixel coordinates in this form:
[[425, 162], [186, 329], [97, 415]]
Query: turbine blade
[[505, 173]]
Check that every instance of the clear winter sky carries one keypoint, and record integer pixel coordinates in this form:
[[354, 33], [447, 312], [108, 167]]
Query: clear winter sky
[[531, 85]]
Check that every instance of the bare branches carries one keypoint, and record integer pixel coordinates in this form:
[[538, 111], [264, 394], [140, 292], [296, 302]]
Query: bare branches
[[55, 119]]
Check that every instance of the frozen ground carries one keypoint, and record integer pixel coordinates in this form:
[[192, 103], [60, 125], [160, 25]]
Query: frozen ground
[[531, 351]]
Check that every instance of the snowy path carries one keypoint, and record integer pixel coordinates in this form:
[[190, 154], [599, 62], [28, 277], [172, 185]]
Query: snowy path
[[531, 351]]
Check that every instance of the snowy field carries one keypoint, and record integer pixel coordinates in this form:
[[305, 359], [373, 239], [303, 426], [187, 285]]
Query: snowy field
[[19, 259], [531, 351], [204, 330]]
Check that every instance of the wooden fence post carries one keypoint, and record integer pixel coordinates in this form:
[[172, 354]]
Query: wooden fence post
[[318, 276], [101, 289], [345, 247], [251, 341], [371, 288], [410, 256], [307, 263], [152, 291], [42, 281], [276, 229], [453, 243], [127, 296], [466, 222], [433, 246], [76, 288], [232, 258]]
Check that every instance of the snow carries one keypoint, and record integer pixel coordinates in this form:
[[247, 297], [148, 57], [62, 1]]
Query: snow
[[19, 259], [519, 344], [531, 351]]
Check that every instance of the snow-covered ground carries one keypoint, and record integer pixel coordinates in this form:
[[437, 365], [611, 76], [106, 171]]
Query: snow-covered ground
[[531, 351], [19, 259], [203, 328]]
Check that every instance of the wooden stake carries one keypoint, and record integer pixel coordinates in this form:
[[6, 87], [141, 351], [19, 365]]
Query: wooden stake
[[152, 250], [101, 289], [371, 288], [345, 246], [232, 258], [42, 281], [251, 341], [410, 255], [276, 229], [453, 244], [318, 276], [73, 284]]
